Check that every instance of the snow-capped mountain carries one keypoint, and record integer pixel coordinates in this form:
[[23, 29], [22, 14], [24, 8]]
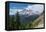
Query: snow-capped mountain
[[26, 12], [32, 10]]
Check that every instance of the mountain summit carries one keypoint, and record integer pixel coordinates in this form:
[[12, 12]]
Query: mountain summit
[[26, 12]]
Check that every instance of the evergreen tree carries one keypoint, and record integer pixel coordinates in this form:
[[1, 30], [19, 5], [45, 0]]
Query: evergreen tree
[[13, 23], [17, 20]]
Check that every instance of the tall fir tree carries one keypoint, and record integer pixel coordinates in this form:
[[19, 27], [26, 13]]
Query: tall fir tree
[[17, 20], [13, 23]]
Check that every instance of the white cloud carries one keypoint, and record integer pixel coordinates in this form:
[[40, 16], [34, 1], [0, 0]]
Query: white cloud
[[36, 8], [29, 7], [13, 11]]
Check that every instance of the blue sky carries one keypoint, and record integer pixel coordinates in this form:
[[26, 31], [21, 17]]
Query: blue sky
[[18, 5]]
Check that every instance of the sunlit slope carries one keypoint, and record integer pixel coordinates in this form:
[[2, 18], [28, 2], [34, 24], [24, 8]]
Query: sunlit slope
[[39, 22]]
